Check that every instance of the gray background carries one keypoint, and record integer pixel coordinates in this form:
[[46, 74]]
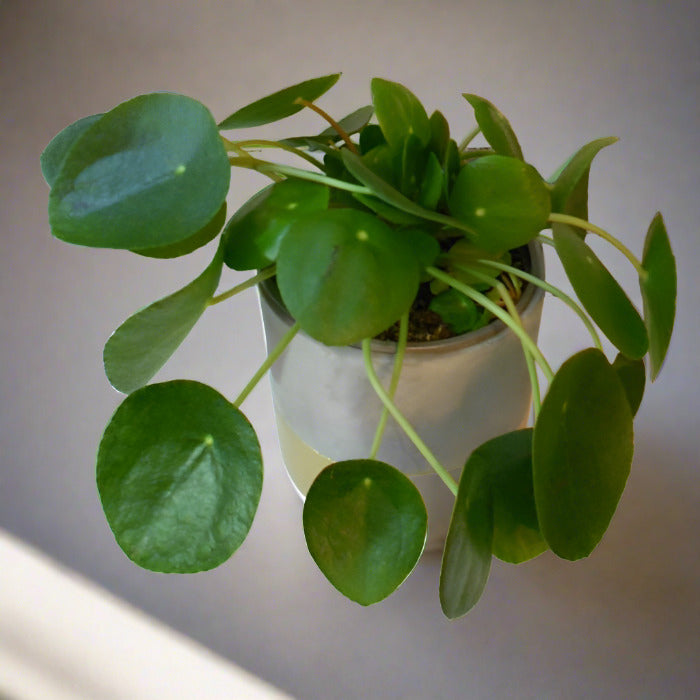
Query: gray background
[[624, 622]]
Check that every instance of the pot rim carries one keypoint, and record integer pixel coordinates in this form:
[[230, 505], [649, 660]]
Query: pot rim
[[533, 294]]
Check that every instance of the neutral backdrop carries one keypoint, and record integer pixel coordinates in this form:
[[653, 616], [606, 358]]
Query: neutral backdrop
[[622, 623]]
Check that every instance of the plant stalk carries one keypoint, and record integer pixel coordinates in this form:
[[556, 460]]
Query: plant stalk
[[401, 420], [265, 366], [260, 277]]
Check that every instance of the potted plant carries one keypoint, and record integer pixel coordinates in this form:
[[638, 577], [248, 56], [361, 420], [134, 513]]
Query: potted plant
[[390, 234]]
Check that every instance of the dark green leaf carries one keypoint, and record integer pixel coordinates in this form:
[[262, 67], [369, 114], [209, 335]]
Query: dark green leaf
[[345, 275], [466, 561], [146, 340], [570, 184], [495, 127], [413, 158], [439, 135], [582, 453], [254, 233], [54, 154], [280, 104], [632, 375], [506, 462], [424, 246], [399, 113], [600, 294], [201, 238], [388, 194], [387, 212], [503, 200], [179, 473], [371, 137], [658, 292], [150, 173], [459, 312], [432, 185], [365, 525]]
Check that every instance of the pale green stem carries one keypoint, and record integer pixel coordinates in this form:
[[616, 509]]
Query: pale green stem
[[263, 143], [260, 277], [508, 301], [395, 376], [265, 366], [265, 167], [401, 420], [588, 226], [469, 138], [554, 291], [497, 311]]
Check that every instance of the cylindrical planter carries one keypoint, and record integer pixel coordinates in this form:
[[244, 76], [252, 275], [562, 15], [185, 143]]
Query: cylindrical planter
[[456, 393]]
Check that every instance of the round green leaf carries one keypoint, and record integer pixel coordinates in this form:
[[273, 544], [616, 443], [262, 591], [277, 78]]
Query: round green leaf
[[399, 113], [495, 127], [600, 293], [365, 525], [201, 238], [658, 292], [280, 104], [54, 154], [254, 233], [149, 173], [146, 340], [466, 560], [179, 473], [582, 453], [503, 200], [345, 275]]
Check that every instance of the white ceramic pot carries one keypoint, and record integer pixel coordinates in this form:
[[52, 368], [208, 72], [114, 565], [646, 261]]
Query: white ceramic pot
[[456, 393]]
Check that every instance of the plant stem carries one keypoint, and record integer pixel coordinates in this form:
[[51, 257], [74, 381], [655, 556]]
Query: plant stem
[[260, 277], [510, 305], [554, 291], [497, 311], [588, 226], [265, 167], [339, 129], [264, 143], [395, 375], [401, 420], [469, 138], [269, 361]]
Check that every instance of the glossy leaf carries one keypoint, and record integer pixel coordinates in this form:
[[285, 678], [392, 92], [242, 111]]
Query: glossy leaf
[[600, 293], [632, 375], [495, 127], [506, 462], [388, 194], [658, 292], [582, 453], [254, 233], [345, 275], [439, 135], [149, 173], [503, 200], [570, 184], [54, 154], [365, 525], [386, 211], [201, 238], [466, 560], [399, 113], [179, 473], [146, 340], [432, 185], [280, 104], [459, 312]]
